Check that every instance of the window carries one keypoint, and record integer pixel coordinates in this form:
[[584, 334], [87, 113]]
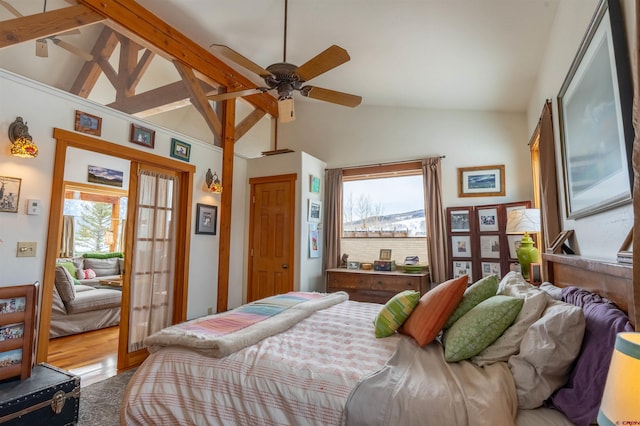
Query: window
[[383, 208], [98, 218]]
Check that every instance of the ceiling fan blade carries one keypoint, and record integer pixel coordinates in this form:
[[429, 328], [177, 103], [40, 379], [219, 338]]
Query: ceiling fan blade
[[323, 62], [42, 48], [236, 94], [331, 96], [234, 56], [73, 49], [11, 9]]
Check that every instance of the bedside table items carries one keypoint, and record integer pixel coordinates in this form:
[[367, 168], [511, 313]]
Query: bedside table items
[[343, 260], [366, 266], [384, 265], [352, 264], [411, 260]]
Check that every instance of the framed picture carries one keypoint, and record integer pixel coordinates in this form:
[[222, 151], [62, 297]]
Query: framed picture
[[385, 254], [481, 181], [490, 246], [314, 241], [9, 194], [352, 264], [595, 118], [491, 268], [488, 220], [514, 242], [314, 184], [314, 211], [459, 220], [462, 268], [142, 136], [17, 327], [206, 219], [104, 176], [88, 123], [556, 244], [180, 150], [461, 246]]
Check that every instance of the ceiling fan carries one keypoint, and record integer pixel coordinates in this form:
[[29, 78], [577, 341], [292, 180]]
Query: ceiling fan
[[286, 78], [42, 49]]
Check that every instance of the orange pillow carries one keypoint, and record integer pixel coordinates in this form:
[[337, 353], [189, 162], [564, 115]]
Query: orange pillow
[[434, 309]]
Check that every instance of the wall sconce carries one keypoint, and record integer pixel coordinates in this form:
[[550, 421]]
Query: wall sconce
[[21, 142], [213, 183]]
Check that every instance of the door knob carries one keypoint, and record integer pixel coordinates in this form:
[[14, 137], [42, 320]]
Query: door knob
[[285, 266]]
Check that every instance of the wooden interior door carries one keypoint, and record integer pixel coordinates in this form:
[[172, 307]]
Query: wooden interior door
[[271, 236]]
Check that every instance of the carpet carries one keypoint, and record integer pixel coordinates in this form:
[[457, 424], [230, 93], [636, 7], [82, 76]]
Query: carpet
[[100, 402]]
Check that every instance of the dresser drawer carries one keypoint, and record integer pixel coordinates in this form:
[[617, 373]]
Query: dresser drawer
[[394, 283], [374, 286]]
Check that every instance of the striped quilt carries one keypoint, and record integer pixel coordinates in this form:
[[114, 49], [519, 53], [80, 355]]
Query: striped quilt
[[221, 334]]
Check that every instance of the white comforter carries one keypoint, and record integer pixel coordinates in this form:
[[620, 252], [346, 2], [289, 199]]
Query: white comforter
[[305, 376]]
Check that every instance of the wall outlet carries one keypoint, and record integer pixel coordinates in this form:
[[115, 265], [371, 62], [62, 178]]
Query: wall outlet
[[209, 310], [26, 249]]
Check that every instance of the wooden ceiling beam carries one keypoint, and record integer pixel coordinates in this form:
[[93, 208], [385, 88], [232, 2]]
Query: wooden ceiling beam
[[199, 98], [140, 69], [156, 98], [144, 24], [46, 24], [90, 72], [249, 121]]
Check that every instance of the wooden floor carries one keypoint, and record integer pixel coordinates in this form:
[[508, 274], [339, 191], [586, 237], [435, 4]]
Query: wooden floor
[[92, 356]]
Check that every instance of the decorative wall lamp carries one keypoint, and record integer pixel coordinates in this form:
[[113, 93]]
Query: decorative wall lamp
[[21, 141], [620, 400], [213, 183], [525, 221]]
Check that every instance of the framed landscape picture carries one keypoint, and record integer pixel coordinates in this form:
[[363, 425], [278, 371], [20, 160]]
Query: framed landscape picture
[[595, 118], [180, 150], [88, 123], [481, 181]]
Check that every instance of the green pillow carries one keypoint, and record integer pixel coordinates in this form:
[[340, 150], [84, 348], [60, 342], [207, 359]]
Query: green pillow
[[69, 266], [480, 327], [395, 312], [476, 293], [103, 255]]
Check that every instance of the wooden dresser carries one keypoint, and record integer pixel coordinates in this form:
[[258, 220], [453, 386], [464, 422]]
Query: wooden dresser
[[375, 286]]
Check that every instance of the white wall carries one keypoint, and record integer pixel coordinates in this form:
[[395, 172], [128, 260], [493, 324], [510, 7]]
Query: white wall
[[343, 136], [44, 108], [599, 235]]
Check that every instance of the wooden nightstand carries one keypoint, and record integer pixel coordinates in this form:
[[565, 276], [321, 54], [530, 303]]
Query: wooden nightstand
[[375, 286]]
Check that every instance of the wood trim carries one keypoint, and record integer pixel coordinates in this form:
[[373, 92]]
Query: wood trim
[[137, 20], [228, 111], [412, 167], [66, 139]]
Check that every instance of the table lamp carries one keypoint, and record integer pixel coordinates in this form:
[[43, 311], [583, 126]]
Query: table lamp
[[620, 399], [525, 221]]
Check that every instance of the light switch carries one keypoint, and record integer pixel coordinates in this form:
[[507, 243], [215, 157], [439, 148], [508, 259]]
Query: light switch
[[26, 249]]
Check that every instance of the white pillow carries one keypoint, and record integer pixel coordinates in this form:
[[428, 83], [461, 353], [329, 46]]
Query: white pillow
[[547, 352]]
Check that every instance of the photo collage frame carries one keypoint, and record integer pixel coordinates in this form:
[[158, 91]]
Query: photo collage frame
[[478, 243]]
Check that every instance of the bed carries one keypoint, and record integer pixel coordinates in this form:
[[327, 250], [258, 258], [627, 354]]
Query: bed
[[323, 365]]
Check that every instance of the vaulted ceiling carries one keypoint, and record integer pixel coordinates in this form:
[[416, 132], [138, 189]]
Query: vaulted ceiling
[[454, 54]]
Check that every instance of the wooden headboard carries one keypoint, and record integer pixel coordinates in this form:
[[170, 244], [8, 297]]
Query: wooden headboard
[[609, 279]]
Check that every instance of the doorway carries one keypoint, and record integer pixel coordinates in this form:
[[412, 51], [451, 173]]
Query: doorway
[[184, 186], [271, 227]]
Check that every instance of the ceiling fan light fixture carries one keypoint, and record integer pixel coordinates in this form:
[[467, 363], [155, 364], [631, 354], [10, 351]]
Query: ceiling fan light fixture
[[286, 113], [42, 48]]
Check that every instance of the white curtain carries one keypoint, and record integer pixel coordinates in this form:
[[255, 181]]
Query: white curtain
[[153, 258], [68, 237]]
